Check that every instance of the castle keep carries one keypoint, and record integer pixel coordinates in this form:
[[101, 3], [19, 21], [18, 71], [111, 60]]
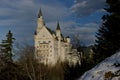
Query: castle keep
[[51, 46]]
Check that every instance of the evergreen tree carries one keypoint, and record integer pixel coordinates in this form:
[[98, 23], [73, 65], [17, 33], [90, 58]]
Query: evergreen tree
[[108, 36], [6, 45]]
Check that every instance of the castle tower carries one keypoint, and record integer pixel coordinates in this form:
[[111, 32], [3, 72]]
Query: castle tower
[[40, 21], [58, 31], [58, 35]]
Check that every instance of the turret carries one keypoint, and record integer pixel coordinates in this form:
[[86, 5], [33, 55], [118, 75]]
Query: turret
[[40, 22], [68, 39], [58, 32]]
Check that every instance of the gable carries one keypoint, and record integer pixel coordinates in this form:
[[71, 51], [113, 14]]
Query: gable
[[44, 33]]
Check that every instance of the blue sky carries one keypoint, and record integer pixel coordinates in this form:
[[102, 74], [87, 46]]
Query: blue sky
[[80, 18]]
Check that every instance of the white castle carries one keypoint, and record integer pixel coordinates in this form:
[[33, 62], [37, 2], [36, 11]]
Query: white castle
[[51, 47]]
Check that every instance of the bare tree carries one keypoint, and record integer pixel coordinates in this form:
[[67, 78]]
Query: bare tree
[[34, 70]]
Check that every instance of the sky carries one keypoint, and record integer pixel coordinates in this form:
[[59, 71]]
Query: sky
[[78, 18]]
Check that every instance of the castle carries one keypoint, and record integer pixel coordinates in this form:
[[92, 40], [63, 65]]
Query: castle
[[51, 46]]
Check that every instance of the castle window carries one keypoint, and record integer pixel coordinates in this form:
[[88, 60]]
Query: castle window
[[66, 49], [43, 51], [66, 45], [44, 42], [39, 50], [37, 47], [37, 54], [49, 41], [43, 35]]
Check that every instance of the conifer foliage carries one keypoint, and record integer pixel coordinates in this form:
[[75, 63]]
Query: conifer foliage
[[6, 45], [108, 36]]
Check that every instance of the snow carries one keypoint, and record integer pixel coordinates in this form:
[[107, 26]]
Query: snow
[[98, 72]]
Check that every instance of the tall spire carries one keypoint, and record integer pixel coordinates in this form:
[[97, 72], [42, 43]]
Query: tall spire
[[58, 26], [40, 13], [40, 22], [58, 31]]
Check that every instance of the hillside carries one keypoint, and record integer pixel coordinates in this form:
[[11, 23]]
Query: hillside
[[109, 69]]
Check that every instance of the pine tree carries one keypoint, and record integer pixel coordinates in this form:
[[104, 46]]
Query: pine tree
[[6, 45], [108, 36]]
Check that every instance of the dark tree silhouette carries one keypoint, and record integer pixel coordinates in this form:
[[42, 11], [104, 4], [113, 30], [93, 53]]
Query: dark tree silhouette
[[6, 45], [108, 36]]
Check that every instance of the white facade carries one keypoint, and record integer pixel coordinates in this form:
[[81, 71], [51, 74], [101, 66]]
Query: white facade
[[50, 46]]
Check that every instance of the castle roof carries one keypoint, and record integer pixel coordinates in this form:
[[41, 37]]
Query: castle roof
[[51, 31], [40, 13], [58, 26]]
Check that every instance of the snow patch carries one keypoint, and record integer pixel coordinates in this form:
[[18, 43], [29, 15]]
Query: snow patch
[[110, 64]]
